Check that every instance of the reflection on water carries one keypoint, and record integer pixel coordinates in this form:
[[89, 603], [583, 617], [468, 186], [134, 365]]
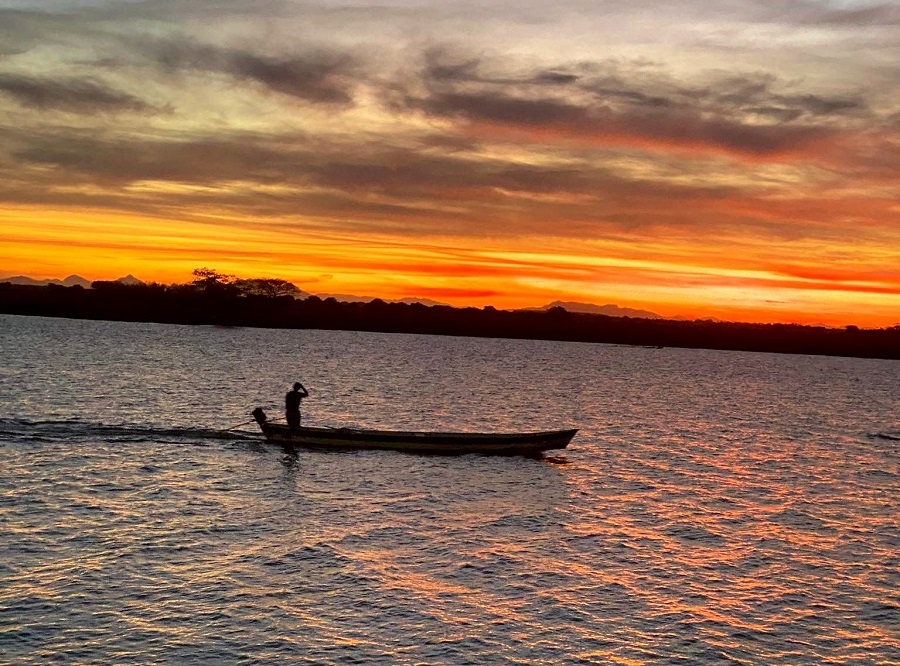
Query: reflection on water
[[714, 507]]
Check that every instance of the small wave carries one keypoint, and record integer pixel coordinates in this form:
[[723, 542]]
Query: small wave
[[893, 436], [688, 533], [798, 519], [23, 430]]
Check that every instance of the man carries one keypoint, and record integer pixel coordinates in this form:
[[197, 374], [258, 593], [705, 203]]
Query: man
[[292, 405]]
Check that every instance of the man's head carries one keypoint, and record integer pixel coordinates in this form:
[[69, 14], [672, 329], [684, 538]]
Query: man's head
[[298, 386]]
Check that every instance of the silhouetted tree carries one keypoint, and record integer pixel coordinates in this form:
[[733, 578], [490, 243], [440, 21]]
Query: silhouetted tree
[[215, 298], [270, 287], [212, 282], [557, 313]]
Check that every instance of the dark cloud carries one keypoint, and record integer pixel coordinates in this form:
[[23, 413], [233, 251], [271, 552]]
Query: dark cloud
[[750, 115], [322, 77], [109, 162], [751, 93], [319, 77], [414, 190], [629, 95], [886, 14], [379, 189], [443, 65], [570, 108], [555, 78], [296, 161], [824, 106], [686, 128], [502, 109], [72, 95], [451, 78]]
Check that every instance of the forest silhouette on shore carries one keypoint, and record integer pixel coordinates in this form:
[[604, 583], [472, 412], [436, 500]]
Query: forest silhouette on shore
[[213, 298]]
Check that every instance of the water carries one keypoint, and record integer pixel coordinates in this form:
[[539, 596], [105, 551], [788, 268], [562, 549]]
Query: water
[[715, 507]]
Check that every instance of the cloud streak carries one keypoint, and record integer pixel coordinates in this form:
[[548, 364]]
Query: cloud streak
[[741, 116], [319, 76], [72, 95]]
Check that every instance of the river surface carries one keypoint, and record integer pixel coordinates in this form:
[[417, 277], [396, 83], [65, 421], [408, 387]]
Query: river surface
[[714, 508]]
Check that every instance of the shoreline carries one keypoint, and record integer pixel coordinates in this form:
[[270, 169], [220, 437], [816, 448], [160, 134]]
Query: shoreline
[[192, 307]]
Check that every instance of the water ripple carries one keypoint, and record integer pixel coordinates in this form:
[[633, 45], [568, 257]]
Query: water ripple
[[715, 507]]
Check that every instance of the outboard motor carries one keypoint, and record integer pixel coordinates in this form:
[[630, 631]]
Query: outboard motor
[[258, 415]]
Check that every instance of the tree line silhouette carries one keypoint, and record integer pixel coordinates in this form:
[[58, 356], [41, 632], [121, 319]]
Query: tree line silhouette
[[214, 298]]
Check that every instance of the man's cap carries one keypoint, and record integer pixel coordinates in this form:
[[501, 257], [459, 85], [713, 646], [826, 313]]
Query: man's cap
[[298, 386]]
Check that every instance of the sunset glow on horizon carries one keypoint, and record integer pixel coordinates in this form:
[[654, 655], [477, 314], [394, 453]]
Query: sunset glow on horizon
[[740, 162]]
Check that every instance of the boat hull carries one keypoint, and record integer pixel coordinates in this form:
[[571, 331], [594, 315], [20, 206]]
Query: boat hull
[[442, 443]]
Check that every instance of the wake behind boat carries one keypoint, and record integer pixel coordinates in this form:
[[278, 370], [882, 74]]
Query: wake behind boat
[[445, 443]]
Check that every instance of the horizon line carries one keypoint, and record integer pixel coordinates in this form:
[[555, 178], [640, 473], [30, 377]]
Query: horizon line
[[353, 298]]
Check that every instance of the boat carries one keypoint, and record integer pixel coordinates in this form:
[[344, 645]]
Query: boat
[[442, 443]]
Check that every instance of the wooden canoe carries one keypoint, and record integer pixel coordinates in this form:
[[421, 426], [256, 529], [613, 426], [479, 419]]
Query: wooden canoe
[[444, 443]]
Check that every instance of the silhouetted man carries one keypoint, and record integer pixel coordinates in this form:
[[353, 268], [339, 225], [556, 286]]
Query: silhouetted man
[[292, 405]]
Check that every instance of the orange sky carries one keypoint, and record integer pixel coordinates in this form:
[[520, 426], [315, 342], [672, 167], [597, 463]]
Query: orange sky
[[740, 163]]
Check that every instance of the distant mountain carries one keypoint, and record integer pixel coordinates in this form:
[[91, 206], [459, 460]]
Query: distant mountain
[[409, 300], [76, 281], [350, 298], [572, 306], [609, 309], [346, 298], [71, 281], [130, 280], [21, 279]]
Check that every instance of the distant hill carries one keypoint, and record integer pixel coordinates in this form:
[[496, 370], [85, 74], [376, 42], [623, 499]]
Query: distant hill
[[350, 298], [609, 309], [70, 281], [230, 307], [130, 279], [346, 298], [21, 279], [409, 300]]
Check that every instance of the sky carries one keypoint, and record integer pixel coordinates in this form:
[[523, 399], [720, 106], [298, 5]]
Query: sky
[[736, 159]]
